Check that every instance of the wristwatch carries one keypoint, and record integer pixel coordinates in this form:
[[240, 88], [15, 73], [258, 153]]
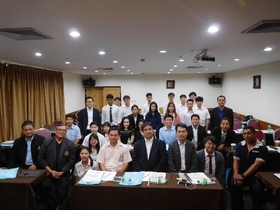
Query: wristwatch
[[243, 176]]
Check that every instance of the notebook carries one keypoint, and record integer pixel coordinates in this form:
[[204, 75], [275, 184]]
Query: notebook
[[29, 173]]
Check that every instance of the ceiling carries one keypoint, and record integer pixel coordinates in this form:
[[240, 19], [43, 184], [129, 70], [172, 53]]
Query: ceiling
[[131, 30]]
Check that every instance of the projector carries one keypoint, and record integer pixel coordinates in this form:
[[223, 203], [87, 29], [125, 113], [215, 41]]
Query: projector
[[204, 59]]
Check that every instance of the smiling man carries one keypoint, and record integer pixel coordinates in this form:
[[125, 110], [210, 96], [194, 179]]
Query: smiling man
[[182, 153]]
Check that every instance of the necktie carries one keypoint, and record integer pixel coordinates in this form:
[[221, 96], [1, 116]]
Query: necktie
[[111, 115], [210, 164], [223, 137]]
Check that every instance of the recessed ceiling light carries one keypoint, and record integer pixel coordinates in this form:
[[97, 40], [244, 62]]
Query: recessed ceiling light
[[175, 66], [104, 73], [267, 49], [170, 69], [168, 72], [74, 34], [96, 71], [131, 72], [181, 59], [122, 67], [213, 29], [219, 65], [206, 69], [38, 54], [128, 70], [102, 53], [236, 59], [67, 62], [115, 61], [198, 72], [84, 67], [162, 51]]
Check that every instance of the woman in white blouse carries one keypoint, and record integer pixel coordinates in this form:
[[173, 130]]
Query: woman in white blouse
[[94, 146]]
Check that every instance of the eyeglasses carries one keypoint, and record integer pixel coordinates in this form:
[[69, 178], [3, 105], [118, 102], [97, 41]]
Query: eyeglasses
[[61, 130]]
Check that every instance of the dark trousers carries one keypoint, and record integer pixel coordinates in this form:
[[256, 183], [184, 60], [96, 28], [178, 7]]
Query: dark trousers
[[55, 192], [256, 189]]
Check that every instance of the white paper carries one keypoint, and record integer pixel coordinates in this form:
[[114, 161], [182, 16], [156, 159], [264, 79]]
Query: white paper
[[277, 175], [109, 176], [152, 176], [197, 178], [93, 176]]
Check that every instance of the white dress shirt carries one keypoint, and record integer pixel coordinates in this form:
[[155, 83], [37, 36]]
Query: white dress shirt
[[183, 155], [186, 117], [125, 111], [203, 114], [102, 140], [149, 144], [206, 170], [90, 117], [116, 111]]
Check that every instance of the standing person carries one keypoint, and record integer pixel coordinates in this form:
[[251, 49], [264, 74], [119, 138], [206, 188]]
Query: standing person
[[202, 112], [218, 113], [192, 95], [85, 164], [182, 153], [211, 161], [196, 132], [26, 149], [168, 132], [171, 110], [154, 117], [149, 154], [88, 115], [146, 106], [73, 131], [94, 130], [182, 107], [114, 156], [126, 108], [171, 97], [57, 156], [118, 101], [126, 131], [186, 116], [94, 146], [135, 117], [249, 158], [111, 112], [139, 133]]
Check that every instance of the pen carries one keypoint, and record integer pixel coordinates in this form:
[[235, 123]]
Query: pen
[[107, 175], [147, 175]]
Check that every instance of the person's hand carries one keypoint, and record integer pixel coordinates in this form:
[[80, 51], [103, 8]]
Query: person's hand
[[221, 147], [59, 174], [32, 167], [238, 179]]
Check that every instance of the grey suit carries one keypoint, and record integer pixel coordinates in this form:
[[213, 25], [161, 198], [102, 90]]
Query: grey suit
[[174, 157], [219, 161]]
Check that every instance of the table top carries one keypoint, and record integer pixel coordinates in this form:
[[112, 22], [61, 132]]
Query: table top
[[271, 181]]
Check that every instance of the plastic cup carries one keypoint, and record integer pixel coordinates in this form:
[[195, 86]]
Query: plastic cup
[[232, 146], [277, 143]]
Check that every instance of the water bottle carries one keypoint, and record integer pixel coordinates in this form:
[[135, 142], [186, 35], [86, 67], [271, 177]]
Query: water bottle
[[242, 128], [128, 144], [263, 141], [269, 128], [42, 126]]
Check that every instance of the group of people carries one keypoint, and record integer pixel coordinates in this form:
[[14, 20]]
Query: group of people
[[179, 144]]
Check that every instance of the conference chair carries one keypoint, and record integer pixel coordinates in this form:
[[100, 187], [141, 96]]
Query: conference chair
[[57, 123], [254, 123], [276, 135], [237, 124], [259, 134], [43, 132], [236, 116]]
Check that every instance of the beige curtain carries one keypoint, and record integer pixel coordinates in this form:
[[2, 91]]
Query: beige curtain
[[28, 93]]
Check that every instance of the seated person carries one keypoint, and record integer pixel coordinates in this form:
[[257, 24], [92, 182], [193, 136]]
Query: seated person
[[94, 130], [114, 155], [149, 154], [94, 146], [167, 133], [211, 161], [182, 153], [249, 158], [26, 149], [85, 164], [139, 133], [196, 132], [135, 117], [105, 130], [126, 131]]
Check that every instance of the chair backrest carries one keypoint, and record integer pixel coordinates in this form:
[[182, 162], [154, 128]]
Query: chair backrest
[[237, 124], [276, 135], [254, 123], [236, 116], [161, 110], [43, 132], [57, 122], [259, 134]]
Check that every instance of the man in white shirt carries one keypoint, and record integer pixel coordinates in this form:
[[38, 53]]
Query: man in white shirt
[[126, 108], [146, 106], [94, 129], [192, 95], [111, 112], [171, 97], [202, 112], [181, 108], [186, 116], [117, 101]]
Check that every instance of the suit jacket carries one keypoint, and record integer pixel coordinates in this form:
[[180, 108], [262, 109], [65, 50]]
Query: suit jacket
[[219, 161], [215, 119], [83, 119], [230, 136], [174, 157], [132, 122], [201, 134], [66, 161], [157, 160], [19, 150]]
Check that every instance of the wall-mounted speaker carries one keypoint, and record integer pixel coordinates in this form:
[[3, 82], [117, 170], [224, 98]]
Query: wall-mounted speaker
[[214, 81], [89, 82]]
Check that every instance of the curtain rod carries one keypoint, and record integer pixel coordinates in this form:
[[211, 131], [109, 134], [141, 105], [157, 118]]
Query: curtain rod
[[20, 64]]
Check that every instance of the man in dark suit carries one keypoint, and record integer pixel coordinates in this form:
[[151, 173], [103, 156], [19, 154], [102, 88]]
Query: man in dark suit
[[216, 165], [57, 156], [88, 115], [135, 117], [218, 113], [197, 132], [26, 149], [149, 154], [182, 153]]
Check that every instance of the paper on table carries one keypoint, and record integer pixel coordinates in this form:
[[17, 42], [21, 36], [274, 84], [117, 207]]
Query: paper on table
[[277, 175], [8, 173], [93, 176], [109, 176], [197, 178]]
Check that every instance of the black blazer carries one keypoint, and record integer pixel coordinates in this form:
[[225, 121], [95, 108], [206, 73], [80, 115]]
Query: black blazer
[[47, 155], [230, 137], [132, 122], [201, 134], [215, 119], [83, 119], [157, 160], [19, 150]]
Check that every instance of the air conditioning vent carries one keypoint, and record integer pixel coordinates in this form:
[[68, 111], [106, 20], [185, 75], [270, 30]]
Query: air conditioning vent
[[23, 34], [106, 69], [264, 26]]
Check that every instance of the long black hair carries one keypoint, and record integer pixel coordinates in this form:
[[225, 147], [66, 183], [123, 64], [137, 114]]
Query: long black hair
[[88, 149], [97, 146]]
